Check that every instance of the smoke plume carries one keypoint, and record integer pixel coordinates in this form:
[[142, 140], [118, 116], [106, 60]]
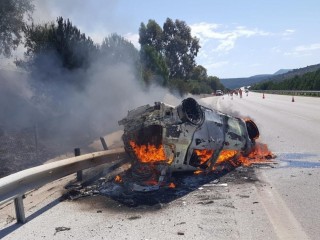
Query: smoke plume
[[50, 110], [66, 116]]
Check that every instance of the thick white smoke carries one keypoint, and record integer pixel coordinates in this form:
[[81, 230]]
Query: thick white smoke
[[44, 114], [68, 116]]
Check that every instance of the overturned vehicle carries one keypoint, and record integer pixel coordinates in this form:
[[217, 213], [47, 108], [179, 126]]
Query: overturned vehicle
[[162, 139]]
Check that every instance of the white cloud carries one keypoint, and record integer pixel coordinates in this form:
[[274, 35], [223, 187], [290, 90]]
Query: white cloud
[[304, 48], [207, 30], [276, 49], [133, 38], [226, 38], [217, 64], [288, 32]]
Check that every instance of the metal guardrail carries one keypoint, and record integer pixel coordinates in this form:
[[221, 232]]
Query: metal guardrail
[[16, 185], [290, 92]]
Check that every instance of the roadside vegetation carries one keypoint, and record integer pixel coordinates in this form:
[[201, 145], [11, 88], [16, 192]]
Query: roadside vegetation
[[309, 81], [166, 56]]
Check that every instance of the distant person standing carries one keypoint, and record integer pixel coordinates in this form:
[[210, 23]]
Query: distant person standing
[[240, 93], [246, 90]]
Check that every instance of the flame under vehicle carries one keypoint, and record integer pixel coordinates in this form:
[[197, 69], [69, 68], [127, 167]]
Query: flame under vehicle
[[162, 139]]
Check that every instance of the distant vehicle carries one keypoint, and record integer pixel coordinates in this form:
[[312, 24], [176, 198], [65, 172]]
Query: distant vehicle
[[219, 93], [246, 89]]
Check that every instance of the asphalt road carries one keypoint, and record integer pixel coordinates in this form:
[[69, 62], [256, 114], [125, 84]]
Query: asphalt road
[[285, 125], [292, 131], [281, 202]]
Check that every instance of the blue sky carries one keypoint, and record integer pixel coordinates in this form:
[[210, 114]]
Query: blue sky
[[238, 38]]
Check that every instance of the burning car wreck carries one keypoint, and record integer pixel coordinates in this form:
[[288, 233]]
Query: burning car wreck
[[162, 139]]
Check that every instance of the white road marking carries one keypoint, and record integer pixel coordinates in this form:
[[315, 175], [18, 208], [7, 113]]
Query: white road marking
[[283, 221]]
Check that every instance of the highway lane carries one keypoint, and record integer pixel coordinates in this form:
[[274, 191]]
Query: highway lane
[[283, 204], [292, 131], [284, 125]]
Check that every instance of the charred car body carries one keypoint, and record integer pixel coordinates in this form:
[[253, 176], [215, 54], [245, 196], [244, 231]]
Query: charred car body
[[162, 139]]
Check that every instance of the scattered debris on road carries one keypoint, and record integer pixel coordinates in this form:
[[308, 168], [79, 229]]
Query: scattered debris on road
[[61, 229], [176, 150]]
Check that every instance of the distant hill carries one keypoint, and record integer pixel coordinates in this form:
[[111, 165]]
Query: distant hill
[[240, 82], [280, 75], [282, 71], [292, 73], [307, 78]]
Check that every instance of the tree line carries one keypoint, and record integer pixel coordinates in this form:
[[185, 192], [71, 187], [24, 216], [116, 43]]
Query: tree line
[[166, 57], [168, 54], [308, 81]]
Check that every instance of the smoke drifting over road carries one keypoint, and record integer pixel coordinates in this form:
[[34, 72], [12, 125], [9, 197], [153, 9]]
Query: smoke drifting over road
[[109, 91], [43, 115], [49, 110], [15, 107]]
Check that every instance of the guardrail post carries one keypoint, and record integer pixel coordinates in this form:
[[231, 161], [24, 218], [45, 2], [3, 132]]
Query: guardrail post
[[18, 204], [104, 144], [79, 173]]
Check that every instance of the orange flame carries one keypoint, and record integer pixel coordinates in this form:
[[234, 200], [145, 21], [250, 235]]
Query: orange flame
[[226, 155], [203, 154], [148, 153], [118, 179], [171, 185], [197, 172], [259, 154]]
